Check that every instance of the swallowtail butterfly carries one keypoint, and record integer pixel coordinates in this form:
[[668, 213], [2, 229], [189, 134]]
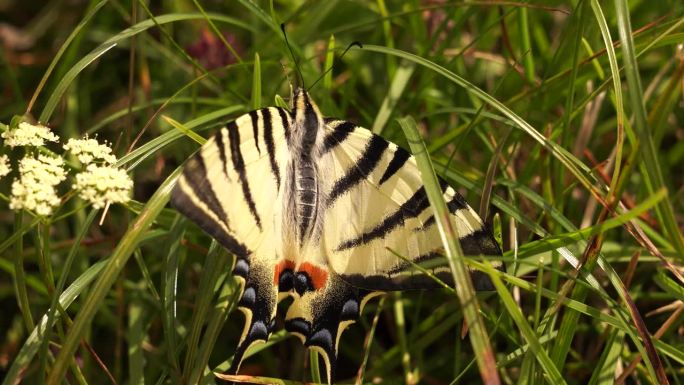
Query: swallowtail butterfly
[[316, 208]]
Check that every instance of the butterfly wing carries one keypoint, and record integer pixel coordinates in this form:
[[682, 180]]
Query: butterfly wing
[[230, 188], [378, 209]]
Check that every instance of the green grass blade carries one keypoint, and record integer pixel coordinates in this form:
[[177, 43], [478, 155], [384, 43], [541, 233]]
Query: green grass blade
[[535, 346], [215, 265], [447, 229], [66, 269], [578, 169], [401, 79], [58, 55], [226, 301], [116, 262], [169, 287], [135, 339], [256, 83], [652, 172], [329, 62], [32, 343], [110, 43], [189, 133]]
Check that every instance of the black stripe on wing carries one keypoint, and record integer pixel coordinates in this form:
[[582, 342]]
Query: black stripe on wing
[[195, 174], [239, 165], [254, 117], [404, 275], [340, 132], [480, 242], [417, 281], [186, 205], [218, 138], [409, 209], [363, 167], [400, 157], [270, 145], [457, 202], [285, 119]]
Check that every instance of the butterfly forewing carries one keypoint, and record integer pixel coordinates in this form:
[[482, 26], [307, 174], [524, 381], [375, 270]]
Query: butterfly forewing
[[378, 210]]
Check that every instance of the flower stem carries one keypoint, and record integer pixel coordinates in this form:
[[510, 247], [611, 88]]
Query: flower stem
[[20, 276]]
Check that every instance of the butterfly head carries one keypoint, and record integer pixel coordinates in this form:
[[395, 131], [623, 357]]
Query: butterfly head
[[301, 102], [308, 120]]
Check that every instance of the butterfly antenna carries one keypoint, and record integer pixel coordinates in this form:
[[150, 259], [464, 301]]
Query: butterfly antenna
[[294, 58], [354, 43]]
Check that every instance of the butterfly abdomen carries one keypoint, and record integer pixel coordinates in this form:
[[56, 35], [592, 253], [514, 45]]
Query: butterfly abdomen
[[306, 197]]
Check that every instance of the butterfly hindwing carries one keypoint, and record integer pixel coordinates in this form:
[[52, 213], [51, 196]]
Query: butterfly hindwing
[[318, 318], [391, 216]]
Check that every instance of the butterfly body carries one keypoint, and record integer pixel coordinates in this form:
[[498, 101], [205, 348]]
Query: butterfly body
[[317, 209]]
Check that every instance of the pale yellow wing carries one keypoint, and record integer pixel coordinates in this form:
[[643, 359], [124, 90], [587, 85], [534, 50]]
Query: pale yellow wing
[[232, 188], [377, 208]]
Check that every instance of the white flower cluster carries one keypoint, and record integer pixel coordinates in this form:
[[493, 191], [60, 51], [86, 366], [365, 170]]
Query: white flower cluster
[[27, 134], [36, 187], [89, 150], [102, 185], [35, 190], [4, 166]]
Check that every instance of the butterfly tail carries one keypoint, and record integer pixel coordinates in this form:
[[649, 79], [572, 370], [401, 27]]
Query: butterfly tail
[[319, 318], [258, 303]]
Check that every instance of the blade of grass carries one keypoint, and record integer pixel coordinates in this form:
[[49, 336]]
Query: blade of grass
[[110, 43], [58, 55], [367, 342], [578, 169], [33, 342], [526, 46], [227, 299], [450, 238], [189, 133], [135, 338], [19, 277], [652, 173], [329, 62], [401, 334], [115, 264], [66, 268], [256, 83], [215, 265], [554, 375], [399, 82], [313, 363], [169, 287]]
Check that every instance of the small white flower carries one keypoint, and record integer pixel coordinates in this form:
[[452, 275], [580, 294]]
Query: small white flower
[[100, 185], [44, 169], [4, 166], [34, 196], [87, 150], [35, 189], [27, 134]]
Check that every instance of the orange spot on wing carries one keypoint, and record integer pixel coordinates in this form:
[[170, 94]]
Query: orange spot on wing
[[280, 267], [318, 275]]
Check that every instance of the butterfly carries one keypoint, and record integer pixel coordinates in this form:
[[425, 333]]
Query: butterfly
[[318, 209]]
